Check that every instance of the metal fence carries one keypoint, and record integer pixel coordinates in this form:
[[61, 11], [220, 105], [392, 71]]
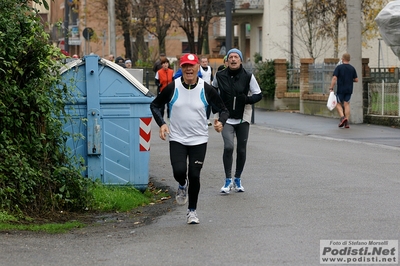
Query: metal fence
[[293, 82], [383, 99], [320, 77], [386, 74]]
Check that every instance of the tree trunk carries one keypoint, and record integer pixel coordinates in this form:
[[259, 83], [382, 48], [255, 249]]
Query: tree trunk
[[127, 45], [336, 40]]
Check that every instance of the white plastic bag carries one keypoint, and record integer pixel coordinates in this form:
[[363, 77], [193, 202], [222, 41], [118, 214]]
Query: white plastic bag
[[331, 104]]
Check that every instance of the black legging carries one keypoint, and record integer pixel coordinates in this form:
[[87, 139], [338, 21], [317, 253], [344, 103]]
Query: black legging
[[228, 134], [179, 154]]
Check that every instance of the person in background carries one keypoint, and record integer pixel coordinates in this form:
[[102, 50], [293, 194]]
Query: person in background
[[111, 57], [207, 75], [222, 50], [239, 90], [206, 70], [225, 65], [163, 77], [120, 61], [128, 63], [188, 97], [344, 75], [157, 65]]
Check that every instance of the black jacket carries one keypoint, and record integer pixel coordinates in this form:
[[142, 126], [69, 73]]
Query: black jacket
[[234, 86]]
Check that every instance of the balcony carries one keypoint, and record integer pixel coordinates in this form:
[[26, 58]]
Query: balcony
[[239, 7]]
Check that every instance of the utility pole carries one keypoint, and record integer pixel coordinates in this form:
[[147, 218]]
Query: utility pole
[[354, 48], [228, 16], [111, 27], [291, 35], [380, 54]]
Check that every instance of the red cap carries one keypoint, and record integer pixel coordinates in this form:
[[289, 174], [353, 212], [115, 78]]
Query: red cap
[[191, 59]]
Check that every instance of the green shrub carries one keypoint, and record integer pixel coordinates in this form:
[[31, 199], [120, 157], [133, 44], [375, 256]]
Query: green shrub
[[257, 58], [36, 175], [265, 75]]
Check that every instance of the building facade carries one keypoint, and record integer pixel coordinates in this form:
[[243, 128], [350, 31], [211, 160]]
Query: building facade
[[258, 27]]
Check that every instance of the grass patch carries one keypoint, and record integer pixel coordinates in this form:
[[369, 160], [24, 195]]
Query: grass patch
[[104, 199], [52, 228], [118, 198]]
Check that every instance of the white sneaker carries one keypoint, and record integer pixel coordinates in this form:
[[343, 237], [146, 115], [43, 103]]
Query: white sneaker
[[228, 186], [181, 194], [192, 217], [237, 185], [209, 123]]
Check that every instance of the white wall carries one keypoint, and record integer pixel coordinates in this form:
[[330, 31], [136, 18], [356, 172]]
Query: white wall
[[387, 57], [275, 30], [256, 24]]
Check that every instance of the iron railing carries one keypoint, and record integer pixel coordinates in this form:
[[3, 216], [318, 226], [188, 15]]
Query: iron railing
[[320, 77], [293, 82], [386, 74]]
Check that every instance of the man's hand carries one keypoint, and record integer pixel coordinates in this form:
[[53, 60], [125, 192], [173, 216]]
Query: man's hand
[[164, 131], [218, 125]]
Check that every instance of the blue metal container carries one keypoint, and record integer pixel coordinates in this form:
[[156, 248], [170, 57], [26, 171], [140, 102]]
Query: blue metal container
[[110, 110]]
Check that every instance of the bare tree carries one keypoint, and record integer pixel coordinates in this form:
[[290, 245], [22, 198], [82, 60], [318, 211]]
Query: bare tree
[[203, 22], [156, 18], [330, 14], [140, 15], [192, 14], [123, 15], [140, 51], [305, 31]]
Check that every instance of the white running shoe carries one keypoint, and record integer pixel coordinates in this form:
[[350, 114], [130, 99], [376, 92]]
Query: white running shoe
[[228, 186], [181, 194], [237, 185], [192, 217]]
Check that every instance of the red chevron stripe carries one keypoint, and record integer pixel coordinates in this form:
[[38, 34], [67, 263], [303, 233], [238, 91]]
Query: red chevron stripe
[[146, 120], [144, 135]]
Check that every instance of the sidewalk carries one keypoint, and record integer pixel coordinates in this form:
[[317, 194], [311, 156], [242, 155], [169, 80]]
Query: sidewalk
[[326, 127]]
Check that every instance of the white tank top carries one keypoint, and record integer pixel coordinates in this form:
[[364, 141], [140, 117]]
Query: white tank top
[[206, 74], [188, 118]]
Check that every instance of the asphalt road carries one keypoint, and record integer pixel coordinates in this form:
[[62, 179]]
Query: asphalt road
[[306, 180]]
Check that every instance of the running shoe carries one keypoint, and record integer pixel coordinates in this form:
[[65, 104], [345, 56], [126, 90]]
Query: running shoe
[[237, 185], [228, 186], [346, 124], [342, 121], [181, 194], [192, 217]]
